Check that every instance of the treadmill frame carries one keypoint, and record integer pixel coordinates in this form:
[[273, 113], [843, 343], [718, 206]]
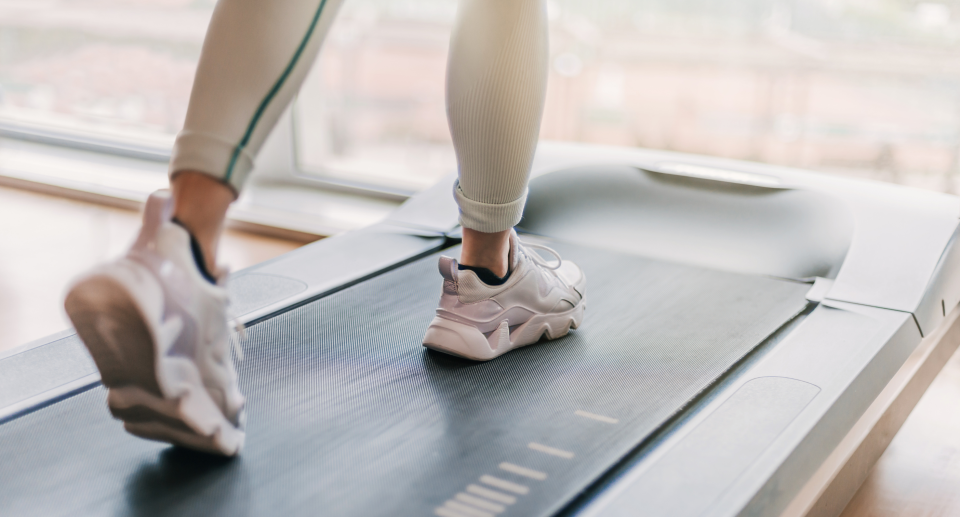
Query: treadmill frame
[[862, 346]]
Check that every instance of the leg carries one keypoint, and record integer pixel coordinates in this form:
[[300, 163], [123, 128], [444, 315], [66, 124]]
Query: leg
[[486, 250], [503, 295], [154, 322], [496, 83], [200, 204], [254, 59]]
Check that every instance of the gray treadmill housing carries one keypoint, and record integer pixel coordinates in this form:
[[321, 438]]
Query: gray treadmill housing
[[882, 258]]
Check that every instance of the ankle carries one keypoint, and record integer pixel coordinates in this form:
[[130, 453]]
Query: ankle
[[200, 206], [206, 267], [486, 250], [203, 243]]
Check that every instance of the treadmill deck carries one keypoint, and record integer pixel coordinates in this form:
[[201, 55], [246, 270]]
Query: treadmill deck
[[349, 415]]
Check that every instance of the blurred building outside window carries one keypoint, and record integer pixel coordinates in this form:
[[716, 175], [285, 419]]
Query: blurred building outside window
[[112, 68], [867, 88]]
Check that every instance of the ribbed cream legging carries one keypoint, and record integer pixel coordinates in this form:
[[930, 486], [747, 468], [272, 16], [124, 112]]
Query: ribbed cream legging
[[257, 53]]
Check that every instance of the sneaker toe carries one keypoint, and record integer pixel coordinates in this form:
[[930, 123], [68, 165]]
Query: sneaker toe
[[573, 276]]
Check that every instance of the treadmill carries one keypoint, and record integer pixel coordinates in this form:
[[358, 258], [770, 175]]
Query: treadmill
[[754, 337]]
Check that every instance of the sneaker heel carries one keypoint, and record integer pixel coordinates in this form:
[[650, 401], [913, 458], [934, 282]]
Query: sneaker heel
[[451, 337]]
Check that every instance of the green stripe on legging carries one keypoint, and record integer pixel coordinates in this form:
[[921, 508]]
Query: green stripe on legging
[[273, 92]]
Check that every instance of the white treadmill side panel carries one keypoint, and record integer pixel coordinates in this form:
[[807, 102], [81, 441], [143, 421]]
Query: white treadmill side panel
[[750, 450]]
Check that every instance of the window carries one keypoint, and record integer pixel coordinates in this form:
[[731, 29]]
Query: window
[[852, 87], [372, 109], [856, 87], [120, 69]]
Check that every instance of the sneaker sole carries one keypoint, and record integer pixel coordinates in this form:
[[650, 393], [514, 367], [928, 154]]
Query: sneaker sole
[[166, 420], [466, 341], [109, 322]]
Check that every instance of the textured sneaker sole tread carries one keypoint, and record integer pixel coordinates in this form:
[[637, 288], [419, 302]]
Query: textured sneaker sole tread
[[157, 431], [144, 414], [129, 362], [145, 422], [156, 418], [126, 361]]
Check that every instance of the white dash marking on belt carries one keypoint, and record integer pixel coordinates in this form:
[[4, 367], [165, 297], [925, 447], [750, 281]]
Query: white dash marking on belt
[[593, 416], [503, 484], [523, 471], [481, 503], [553, 451], [466, 510], [444, 511], [493, 495]]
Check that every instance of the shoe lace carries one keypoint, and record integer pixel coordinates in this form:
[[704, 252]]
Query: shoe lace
[[536, 258]]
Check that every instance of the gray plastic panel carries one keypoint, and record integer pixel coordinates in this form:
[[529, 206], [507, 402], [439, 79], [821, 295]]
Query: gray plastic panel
[[943, 293], [744, 426], [896, 235], [434, 209], [62, 360], [849, 352], [779, 232], [350, 415], [252, 291], [328, 265]]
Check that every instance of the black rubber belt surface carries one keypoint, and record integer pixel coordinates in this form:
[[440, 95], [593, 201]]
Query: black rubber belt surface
[[350, 415]]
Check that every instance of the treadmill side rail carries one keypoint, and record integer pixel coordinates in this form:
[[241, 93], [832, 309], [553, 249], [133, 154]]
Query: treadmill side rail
[[43, 372], [943, 293], [59, 366], [753, 447], [326, 266]]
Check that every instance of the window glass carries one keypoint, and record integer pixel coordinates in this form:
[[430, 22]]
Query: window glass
[[867, 88], [116, 68], [372, 109]]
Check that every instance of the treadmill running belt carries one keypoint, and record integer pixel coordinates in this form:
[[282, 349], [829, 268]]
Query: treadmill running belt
[[349, 415]]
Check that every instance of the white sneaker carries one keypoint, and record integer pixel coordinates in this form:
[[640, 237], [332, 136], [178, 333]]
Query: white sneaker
[[159, 334], [480, 321]]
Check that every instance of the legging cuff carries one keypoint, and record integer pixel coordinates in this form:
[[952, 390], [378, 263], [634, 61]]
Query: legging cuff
[[210, 155], [487, 217]]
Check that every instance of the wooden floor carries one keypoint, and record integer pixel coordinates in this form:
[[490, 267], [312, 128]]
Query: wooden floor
[[48, 240], [45, 241], [919, 474]]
